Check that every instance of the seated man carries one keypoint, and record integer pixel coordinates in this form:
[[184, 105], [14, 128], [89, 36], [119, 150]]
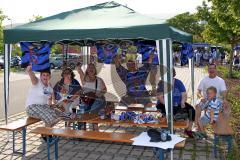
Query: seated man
[[211, 80], [40, 98], [134, 78], [179, 102]]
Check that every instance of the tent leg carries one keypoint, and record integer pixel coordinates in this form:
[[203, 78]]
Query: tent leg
[[191, 69], [164, 49], [7, 53]]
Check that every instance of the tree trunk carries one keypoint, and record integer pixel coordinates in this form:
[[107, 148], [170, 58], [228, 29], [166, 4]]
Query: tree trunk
[[231, 60]]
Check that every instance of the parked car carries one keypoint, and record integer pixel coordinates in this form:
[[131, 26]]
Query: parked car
[[56, 62], [15, 61], [71, 60]]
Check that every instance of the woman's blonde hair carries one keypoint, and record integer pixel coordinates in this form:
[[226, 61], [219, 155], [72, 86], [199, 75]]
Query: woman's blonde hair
[[86, 73]]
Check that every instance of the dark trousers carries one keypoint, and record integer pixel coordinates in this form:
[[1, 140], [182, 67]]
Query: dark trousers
[[176, 109]]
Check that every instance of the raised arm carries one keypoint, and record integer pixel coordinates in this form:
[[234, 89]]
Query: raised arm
[[81, 73], [184, 99], [122, 72], [32, 75], [160, 97], [103, 88]]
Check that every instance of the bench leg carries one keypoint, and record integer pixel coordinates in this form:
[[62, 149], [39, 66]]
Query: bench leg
[[159, 153], [23, 142], [50, 141]]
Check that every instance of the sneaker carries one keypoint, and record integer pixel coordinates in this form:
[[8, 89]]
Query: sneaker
[[200, 135], [189, 133], [45, 138]]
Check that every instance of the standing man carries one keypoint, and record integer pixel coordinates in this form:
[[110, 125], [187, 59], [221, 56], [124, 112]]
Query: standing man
[[211, 80], [134, 78]]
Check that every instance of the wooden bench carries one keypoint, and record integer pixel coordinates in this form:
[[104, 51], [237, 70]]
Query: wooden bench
[[163, 123], [20, 125], [90, 135]]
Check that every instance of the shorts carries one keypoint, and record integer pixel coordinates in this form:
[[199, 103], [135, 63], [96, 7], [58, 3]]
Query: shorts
[[204, 119], [43, 112], [127, 100]]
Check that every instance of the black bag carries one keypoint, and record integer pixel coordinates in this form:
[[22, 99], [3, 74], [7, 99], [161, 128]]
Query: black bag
[[158, 136]]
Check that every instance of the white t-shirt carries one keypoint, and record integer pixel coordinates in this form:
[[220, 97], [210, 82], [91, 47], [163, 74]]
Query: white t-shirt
[[216, 82], [38, 94], [91, 86]]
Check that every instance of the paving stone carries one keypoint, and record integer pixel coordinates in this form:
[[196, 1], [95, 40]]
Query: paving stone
[[127, 147], [88, 148], [119, 157], [201, 157], [2, 156], [112, 150], [81, 155], [93, 156], [145, 158], [124, 151], [136, 152], [148, 153], [132, 158], [99, 149], [187, 157], [106, 157], [115, 146]]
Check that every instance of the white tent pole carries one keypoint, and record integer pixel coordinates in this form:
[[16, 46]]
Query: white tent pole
[[164, 49], [7, 53], [191, 69]]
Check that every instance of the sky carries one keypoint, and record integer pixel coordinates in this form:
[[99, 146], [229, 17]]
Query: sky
[[20, 11]]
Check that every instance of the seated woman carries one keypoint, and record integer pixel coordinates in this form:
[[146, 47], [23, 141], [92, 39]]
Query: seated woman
[[179, 101], [94, 89], [66, 91], [40, 98]]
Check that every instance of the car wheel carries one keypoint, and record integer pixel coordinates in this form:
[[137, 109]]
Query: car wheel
[[52, 66], [72, 66]]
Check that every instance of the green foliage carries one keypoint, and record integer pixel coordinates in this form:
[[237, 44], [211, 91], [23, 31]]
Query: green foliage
[[35, 18], [234, 153], [224, 70], [16, 50], [188, 23], [2, 17], [222, 23]]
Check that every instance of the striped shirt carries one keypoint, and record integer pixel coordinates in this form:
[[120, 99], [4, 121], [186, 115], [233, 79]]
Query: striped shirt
[[216, 105]]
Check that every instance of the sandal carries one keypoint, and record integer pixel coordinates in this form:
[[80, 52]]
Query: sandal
[[189, 133]]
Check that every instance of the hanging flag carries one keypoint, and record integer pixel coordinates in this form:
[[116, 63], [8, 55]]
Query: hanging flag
[[187, 52], [36, 54], [146, 50], [106, 52]]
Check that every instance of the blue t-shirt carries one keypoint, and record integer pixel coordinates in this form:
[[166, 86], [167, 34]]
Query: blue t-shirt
[[178, 89]]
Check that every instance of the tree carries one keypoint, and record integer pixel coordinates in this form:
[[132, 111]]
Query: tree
[[35, 18], [188, 23], [222, 19], [2, 17]]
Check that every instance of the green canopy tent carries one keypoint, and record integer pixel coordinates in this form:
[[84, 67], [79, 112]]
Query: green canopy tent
[[108, 20]]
